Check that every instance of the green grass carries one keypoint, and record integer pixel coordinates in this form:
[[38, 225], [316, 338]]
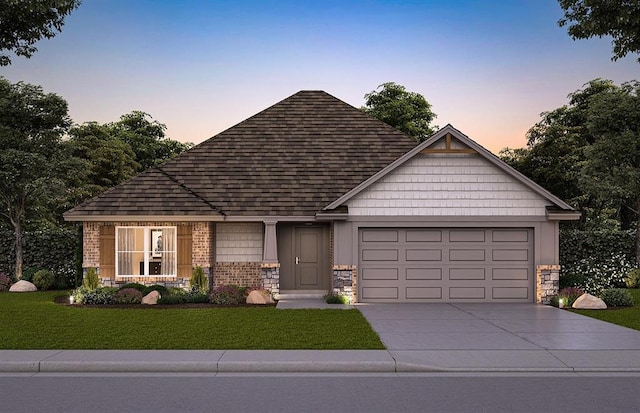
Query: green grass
[[627, 317], [34, 321]]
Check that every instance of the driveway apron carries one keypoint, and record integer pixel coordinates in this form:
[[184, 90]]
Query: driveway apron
[[488, 326]]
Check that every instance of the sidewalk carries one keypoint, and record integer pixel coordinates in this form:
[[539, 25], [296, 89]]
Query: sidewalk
[[316, 361]]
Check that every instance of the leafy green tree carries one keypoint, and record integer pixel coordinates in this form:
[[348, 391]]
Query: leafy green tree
[[24, 22], [147, 139], [31, 162], [587, 152], [619, 19], [612, 167], [407, 111]]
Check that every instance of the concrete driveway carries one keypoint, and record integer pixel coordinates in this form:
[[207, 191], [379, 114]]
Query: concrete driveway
[[501, 336], [485, 326]]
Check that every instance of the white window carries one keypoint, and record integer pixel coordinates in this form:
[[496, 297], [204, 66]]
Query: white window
[[146, 251]]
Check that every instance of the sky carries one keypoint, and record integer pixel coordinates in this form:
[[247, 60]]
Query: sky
[[487, 67]]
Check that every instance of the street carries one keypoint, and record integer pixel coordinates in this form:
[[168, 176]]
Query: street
[[319, 393]]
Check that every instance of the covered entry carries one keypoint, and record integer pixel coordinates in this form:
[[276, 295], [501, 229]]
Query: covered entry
[[304, 257], [442, 265]]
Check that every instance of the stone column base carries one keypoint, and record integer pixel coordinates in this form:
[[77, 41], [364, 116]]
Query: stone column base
[[271, 277], [547, 282], [345, 281]]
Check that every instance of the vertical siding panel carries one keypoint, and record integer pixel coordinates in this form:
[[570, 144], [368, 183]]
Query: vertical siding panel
[[185, 246], [107, 252]]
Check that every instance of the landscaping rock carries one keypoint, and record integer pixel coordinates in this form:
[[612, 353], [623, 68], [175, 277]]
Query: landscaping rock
[[151, 298], [22, 286], [589, 302], [259, 297]]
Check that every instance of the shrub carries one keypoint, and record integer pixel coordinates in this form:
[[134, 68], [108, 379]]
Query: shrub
[[633, 278], [595, 259], [28, 273], [570, 294], [617, 297], [5, 282], [43, 280], [100, 295], [227, 295], [91, 281], [135, 286], [156, 287], [196, 297], [171, 299], [128, 296], [554, 301], [336, 298], [198, 279]]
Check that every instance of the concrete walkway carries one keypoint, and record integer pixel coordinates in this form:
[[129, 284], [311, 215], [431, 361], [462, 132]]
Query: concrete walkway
[[419, 338]]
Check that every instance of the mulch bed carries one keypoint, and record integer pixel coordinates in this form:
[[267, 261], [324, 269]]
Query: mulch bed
[[64, 300]]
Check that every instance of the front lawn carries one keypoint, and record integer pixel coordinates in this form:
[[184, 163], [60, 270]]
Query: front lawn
[[627, 317], [34, 321]]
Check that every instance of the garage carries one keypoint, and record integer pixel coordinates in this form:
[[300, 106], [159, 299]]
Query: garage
[[446, 265]]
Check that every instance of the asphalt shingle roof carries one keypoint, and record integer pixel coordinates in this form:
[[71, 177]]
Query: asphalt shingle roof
[[292, 159]]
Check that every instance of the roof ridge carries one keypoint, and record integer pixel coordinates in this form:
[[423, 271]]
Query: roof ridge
[[189, 190]]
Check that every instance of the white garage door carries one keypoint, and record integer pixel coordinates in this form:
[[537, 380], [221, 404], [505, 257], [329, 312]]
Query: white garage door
[[431, 265]]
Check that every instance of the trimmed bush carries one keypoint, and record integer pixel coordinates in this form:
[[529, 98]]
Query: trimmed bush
[[5, 282], [227, 295], [100, 295], [633, 278], [336, 298], [128, 296], [91, 280], [196, 297], [155, 287], [43, 280], [617, 297], [199, 279], [171, 299], [135, 286]]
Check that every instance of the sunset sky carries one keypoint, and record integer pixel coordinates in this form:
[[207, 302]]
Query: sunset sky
[[487, 67]]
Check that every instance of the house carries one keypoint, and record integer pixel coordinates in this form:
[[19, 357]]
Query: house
[[312, 194]]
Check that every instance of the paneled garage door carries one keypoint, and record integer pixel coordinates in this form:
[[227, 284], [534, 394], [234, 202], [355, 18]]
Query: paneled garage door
[[431, 265]]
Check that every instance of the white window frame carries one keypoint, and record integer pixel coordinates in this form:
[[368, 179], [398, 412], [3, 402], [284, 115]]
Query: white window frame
[[147, 253]]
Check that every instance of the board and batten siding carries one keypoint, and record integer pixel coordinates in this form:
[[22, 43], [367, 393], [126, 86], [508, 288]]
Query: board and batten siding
[[447, 185], [239, 242]]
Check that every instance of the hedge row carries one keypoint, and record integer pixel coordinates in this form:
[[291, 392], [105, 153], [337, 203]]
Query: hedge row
[[56, 249], [595, 260]]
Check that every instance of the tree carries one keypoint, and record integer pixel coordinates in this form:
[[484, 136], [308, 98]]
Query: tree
[[588, 153], [619, 19], [147, 139], [25, 22], [612, 167], [407, 111], [31, 164], [102, 159]]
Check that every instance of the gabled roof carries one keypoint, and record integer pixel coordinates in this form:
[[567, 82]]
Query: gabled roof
[[292, 159], [473, 146]]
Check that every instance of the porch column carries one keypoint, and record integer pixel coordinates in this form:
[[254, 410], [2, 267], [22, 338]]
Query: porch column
[[270, 250], [270, 266]]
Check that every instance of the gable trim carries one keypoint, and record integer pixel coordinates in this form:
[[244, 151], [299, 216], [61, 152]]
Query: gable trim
[[447, 132]]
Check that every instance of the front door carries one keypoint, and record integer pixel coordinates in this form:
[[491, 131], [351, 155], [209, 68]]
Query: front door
[[304, 257], [308, 258]]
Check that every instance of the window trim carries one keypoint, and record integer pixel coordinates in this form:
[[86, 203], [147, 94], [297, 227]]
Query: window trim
[[147, 250]]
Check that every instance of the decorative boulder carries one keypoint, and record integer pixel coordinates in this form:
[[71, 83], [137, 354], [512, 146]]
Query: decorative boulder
[[151, 298], [589, 302], [259, 297], [22, 286]]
